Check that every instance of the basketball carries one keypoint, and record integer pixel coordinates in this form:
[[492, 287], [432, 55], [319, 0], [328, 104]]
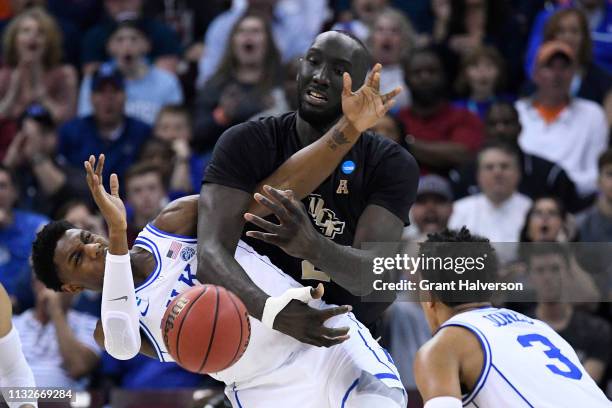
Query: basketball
[[206, 329]]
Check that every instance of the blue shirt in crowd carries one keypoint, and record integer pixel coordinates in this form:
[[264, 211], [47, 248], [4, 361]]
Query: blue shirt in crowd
[[80, 138], [15, 248]]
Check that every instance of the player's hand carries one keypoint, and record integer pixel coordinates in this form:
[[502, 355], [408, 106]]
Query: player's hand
[[294, 234], [364, 107], [306, 324], [110, 205]]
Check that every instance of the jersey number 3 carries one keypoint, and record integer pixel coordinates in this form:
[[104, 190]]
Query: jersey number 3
[[553, 352]]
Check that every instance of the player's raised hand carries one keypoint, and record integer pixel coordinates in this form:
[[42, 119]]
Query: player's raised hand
[[110, 205], [364, 107]]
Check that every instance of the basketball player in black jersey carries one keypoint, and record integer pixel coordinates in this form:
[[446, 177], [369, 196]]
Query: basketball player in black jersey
[[367, 198]]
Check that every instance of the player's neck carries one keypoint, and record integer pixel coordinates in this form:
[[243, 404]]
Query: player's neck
[[307, 133], [449, 312], [556, 314]]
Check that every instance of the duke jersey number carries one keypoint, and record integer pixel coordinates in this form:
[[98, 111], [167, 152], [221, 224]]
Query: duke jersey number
[[526, 364]]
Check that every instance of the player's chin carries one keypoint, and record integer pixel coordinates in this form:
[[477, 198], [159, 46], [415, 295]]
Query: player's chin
[[315, 114]]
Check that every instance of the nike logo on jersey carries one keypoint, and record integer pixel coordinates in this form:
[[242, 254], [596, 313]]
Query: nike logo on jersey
[[143, 314], [119, 298]]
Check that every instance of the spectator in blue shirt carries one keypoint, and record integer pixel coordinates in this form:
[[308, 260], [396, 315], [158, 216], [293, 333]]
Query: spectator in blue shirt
[[147, 87], [108, 130], [17, 231]]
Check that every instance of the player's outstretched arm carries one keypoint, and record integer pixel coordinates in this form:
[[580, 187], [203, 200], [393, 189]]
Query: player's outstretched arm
[[120, 316], [14, 370], [306, 169]]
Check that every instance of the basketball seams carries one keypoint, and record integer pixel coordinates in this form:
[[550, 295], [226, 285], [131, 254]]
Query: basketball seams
[[214, 327], [178, 334], [236, 356]]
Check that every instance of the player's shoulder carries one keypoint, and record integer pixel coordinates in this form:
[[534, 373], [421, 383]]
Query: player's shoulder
[[267, 131]]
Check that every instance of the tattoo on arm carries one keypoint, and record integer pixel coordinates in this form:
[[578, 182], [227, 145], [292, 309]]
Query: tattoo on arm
[[337, 139]]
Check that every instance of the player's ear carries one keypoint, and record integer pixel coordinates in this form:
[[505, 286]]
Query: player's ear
[[71, 288]]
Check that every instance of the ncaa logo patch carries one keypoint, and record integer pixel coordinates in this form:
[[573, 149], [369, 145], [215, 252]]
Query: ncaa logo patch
[[348, 167], [187, 253]]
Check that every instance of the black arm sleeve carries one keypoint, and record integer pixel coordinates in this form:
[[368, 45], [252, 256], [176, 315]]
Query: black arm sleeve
[[242, 158]]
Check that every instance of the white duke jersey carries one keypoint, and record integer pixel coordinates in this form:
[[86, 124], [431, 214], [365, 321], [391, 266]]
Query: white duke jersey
[[526, 364], [175, 272]]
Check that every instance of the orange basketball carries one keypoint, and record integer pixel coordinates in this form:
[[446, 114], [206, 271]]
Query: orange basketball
[[206, 329]]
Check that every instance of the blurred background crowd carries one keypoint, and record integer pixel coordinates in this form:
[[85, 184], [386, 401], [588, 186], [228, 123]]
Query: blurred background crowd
[[506, 105]]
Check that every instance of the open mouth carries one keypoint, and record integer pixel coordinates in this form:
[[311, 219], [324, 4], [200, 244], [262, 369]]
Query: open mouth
[[248, 47], [315, 97]]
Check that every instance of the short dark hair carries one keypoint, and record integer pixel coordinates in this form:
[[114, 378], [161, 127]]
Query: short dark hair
[[141, 168], [502, 145], [458, 244], [43, 250], [530, 251], [604, 159]]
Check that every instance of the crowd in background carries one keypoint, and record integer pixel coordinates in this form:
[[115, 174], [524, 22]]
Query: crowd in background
[[506, 105]]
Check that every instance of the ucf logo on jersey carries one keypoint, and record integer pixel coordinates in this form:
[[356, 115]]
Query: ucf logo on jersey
[[324, 218]]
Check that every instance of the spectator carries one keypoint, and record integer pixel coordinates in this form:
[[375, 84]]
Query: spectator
[[185, 169], [598, 14], [391, 40], [243, 83], [146, 196], [549, 266], [481, 80], [147, 88], [295, 24], [498, 212], [441, 136], [17, 231], [431, 210], [569, 131], [45, 180], [165, 49], [364, 15], [590, 81], [285, 97], [57, 341], [538, 176], [108, 130], [596, 223], [70, 28], [547, 221], [78, 212], [464, 25], [33, 72]]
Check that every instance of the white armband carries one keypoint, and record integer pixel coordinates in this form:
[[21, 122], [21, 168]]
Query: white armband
[[14, 369], [120, 316], [444, 402], [275, 304]]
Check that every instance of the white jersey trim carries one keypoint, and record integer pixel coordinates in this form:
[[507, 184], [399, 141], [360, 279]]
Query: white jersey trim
[[487, 356], [147, 244]]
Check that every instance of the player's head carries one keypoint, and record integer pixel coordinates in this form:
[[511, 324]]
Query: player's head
[[449, 257], [69, 259], [320, 76]]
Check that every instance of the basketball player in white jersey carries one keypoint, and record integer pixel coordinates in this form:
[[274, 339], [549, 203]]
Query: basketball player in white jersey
[[14, 370], [485, 357], [137, 286]]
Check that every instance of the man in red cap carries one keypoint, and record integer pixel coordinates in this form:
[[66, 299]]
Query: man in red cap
[[571, 132]]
